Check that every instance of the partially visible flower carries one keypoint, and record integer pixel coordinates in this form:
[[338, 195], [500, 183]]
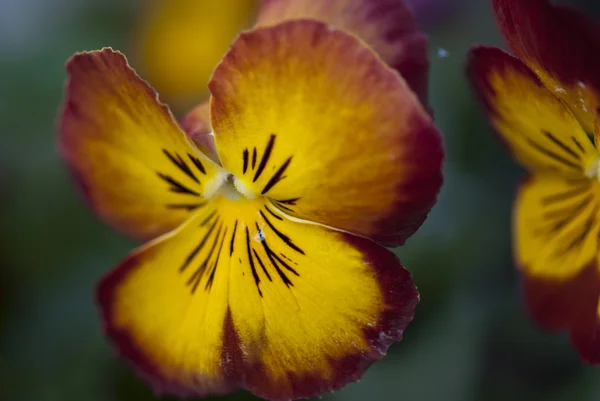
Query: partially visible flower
[[177, 43], [544, 104], [268, 275]]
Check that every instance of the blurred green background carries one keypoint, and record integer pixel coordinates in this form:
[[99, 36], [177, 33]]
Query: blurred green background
[[470, 339]]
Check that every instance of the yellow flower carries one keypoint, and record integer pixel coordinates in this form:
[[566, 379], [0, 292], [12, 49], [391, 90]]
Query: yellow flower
[[544, 106], [266, 273]]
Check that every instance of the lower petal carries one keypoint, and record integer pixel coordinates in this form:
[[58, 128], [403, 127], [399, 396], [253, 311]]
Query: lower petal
[[240, 297]]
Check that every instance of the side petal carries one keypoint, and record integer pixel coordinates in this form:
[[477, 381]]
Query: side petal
[[556, 249], [240, 297], [534, 124], [388, 26], [134, 165], [561, 45], [351, 148]]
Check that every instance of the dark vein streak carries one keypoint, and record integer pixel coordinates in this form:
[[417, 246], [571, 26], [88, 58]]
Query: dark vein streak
[[579, 239], [261, 264], [233, 238], [265, 157], [284, 207], [176, 186], [181, 164], [273, 213], [289, 201], [213, 269], [245, 155], [198, 247], [253, 158], [197, 163], [256, 278], [290, 260], [552, 155], [189, 206], [278, 176], [579, 145], [208, 218], [200, 270], [561, 145], [564, 195], [281, 235], [271, 257]]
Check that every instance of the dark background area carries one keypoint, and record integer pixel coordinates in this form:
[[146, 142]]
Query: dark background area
[[470, 339]]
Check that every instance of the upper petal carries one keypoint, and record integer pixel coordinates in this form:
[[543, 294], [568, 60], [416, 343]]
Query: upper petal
[[561, 45], [241, 297], [351, 148], [134, 165], [388, 26], [536, 126], [196, 123]]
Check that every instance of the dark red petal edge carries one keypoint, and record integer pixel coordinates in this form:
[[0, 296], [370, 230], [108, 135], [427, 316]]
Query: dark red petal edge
[[420, 188], [127, 347], [568, 306], [481, 61], [562, 40], [401, 296]]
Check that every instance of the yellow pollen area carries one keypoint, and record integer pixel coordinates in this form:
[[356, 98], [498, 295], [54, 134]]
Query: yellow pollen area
[[233, 188], [592, 169]]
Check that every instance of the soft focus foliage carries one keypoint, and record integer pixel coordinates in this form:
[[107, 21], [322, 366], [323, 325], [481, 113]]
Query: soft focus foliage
[[470, 339]]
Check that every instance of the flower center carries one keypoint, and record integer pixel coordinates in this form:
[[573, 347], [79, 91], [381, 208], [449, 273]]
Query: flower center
[[232, 188], [592, 169]]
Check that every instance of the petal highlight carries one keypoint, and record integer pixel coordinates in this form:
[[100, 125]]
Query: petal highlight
[[133, 163], [388, 26], [536, 126], [241, 297], [351, 148], [561, 45]]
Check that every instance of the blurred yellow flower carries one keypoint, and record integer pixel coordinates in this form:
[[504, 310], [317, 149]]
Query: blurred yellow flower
[[177, 43]]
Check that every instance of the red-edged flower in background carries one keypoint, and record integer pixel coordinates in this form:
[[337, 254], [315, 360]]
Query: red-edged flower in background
[[265, 269], [544, 105]]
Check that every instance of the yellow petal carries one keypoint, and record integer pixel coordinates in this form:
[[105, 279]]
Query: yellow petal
[[556, 226], [351, 148], [537, 127], [134, 165], [241, 297]]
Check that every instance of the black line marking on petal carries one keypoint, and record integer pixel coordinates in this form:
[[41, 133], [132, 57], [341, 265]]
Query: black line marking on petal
[[256, 278], [574, 212], [265, 157], [274, 259], [552, 155], [579, 145], [245, 156], [176, 186], [197, 163], [273, 213], [561, 145], [278, 176], [253, 158], [231, 244], [284, 207], [188, 206], [208, 218], [579, 190], [181, 164], [198, 247], [213, 269], [281, 235], [584, 233], [290, 260], [197, 276], [289, 201], [261, 264]]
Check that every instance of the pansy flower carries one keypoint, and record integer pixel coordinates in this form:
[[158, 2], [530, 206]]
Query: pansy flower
[[266, 268], [543, 102]]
